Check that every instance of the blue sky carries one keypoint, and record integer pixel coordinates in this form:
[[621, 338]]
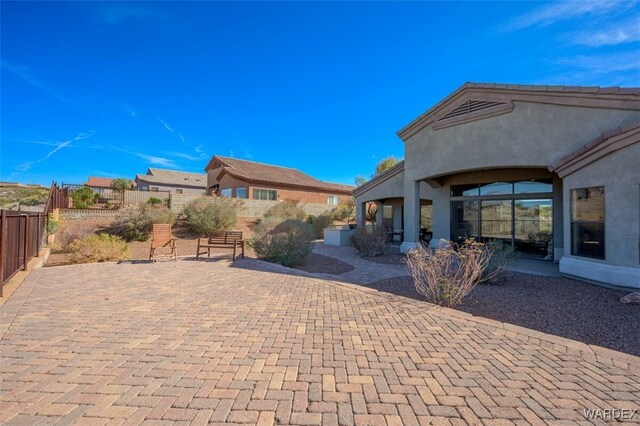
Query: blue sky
[[110, 89]]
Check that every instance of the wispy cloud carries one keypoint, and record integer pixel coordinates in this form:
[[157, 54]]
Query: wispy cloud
[[26, 165], [24, 73], [130, 111], [619, 33], [186, 156], [170, 129], [149, 158], [119, 12], [563, 11]]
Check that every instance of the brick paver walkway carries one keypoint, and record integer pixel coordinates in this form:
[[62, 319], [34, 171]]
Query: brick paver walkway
[[202, 342]]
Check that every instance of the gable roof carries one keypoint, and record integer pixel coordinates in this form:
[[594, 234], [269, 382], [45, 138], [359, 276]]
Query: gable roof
[[377, 180], [174, 178], [608, 142], [273, 175], [582, 96], [100, 182]]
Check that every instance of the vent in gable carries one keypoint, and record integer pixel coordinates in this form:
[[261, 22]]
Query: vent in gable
[[472, 110]]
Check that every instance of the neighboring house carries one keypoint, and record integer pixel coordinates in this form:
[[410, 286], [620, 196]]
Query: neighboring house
[[99, 182], [172, 180], [230, 177], [552, 170]]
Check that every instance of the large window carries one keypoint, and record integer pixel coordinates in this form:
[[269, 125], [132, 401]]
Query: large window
[[265, 194], [464, 220], [241, 192], [225, 192], [587, 222]]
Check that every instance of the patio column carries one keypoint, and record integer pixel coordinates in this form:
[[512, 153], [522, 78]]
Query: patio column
[[361, 215], [411, 216], [379, 215]]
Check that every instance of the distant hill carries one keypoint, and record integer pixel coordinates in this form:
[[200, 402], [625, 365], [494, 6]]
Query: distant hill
[[13, 195]]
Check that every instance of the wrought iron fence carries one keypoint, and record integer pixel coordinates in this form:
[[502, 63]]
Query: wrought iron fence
[[83, 196]]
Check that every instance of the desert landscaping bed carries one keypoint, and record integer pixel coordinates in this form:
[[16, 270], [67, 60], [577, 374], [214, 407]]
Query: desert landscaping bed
[[559, 306]]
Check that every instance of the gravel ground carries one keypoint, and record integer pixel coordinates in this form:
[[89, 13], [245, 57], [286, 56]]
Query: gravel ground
[[388, 259], [318, 263], [559, 306]]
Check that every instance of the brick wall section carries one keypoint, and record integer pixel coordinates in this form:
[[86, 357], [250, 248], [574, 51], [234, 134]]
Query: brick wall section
[[250, 208]]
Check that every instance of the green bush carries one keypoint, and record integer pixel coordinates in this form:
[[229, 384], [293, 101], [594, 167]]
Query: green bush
[[137, 224], [206, 216], [120, 184], [98, 248], [154, 201], [287, 242], [287, 209], [84, 198], [369, 242], [321, 222]]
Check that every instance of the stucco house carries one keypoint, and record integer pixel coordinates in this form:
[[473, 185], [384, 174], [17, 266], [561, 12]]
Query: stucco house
[[230, 177], [552, 170], [172, 180]]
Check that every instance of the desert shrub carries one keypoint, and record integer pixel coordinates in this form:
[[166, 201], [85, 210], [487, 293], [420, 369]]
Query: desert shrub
[[320, 222], [154, 201], [84, 198], [446, 276], [369, 242], [136, 224], [98, 248], [207, 216], [287, 242], [52, 224], [344, 211], [72, 230], [287, 209], [499, 255]]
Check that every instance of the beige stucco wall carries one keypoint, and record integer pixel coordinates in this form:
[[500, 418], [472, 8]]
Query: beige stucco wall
[[533, 135], [619, 173]]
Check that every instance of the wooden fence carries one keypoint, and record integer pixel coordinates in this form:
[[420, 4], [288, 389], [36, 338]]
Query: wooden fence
[[23, 234]]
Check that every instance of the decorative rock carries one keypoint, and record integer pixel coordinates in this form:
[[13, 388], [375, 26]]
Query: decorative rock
[[631, 299]]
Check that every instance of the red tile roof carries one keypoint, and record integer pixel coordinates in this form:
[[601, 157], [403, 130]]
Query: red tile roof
[[275, 175], [101, 182]]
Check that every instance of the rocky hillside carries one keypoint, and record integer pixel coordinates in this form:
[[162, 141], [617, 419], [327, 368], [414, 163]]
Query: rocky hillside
[[25, 196]]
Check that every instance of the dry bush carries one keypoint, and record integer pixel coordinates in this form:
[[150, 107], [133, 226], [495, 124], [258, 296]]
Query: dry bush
[[287, 209], [369, 242], [446, 276], [206, 216], [500, 255], [136, 224], [72, 230], [287, 242], [98, 248]]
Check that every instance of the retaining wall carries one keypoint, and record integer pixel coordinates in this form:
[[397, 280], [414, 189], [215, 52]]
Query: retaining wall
[[248, 208]]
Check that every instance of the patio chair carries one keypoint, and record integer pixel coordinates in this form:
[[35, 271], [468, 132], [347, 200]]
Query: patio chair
[[162, 239]]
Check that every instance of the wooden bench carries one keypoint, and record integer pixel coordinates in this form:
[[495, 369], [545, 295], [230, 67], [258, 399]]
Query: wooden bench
[[227, 239]]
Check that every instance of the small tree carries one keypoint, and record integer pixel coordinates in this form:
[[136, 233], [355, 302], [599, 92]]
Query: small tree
[[344, 211], [84, 198], [385, 164], [120, 184]]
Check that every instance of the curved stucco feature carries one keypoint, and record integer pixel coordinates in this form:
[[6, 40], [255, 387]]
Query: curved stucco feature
[[532, 135], [619, 173]]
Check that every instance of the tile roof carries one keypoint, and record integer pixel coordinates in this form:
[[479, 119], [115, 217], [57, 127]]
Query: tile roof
[[174, 177], [100, 182], [270, 174]]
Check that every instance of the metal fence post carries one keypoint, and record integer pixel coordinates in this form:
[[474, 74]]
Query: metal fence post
[[3, 226], [39, 234], [26, 241]]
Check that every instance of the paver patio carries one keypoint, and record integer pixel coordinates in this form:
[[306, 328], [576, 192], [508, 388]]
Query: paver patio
[[204, 342]]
